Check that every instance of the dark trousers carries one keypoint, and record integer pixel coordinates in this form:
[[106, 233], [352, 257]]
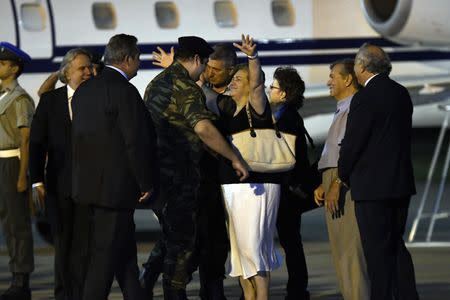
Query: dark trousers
[[213, 241], [15, 218], [70, 231], [62, 237], [112, 252], [288, 226], [389, 264], [174, 254]]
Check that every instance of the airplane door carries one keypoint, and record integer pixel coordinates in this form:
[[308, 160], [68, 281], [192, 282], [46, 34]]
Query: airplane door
[[35, 30]]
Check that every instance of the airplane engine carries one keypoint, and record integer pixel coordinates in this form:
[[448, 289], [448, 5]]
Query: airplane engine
[[409, 22]]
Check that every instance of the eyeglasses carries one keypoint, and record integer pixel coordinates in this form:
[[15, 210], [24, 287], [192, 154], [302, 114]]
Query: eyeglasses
[[273, 87]]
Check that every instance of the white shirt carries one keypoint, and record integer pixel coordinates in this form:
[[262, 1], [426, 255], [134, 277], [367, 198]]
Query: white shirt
[[70, 92], [118, 70], [330, 153], [370, 78]]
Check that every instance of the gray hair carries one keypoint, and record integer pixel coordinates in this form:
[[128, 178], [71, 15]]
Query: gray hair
[[67, 61], [119, 47], [347, 69], [226, 53], [374, 59]]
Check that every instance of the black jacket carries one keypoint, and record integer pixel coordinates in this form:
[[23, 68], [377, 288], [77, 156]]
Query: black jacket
[[51, 134], [375, 155], [114, 143]]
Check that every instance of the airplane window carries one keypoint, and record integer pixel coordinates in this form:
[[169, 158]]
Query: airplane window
[[104, 15], [283, 13], [32, 16], [225, 13], [166, 14]]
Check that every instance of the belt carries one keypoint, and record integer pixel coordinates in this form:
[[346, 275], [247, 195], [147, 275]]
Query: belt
[[10, 153]]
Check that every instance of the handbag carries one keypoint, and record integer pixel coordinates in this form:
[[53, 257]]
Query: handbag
[[265, 150], [303, 192]]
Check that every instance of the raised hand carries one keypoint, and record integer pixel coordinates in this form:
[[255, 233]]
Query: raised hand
[[247, 45], [163, 59]]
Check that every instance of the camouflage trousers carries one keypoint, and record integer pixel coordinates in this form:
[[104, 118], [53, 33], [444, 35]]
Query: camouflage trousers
[[174, 254]]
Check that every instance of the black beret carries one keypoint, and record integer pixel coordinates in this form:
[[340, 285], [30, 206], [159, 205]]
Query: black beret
[[196, 45], [11, 52]]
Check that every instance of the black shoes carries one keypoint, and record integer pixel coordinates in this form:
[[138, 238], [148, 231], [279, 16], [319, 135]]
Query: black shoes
[[147, 280], [16, 293]]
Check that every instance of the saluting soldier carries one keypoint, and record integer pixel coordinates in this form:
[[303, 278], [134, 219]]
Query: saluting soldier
[[183, 124], [16, 112]]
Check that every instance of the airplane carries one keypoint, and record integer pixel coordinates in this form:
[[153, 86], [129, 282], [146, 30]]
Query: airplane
[[307, 34]]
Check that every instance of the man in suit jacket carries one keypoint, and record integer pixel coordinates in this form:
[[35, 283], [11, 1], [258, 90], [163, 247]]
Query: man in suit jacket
[[113, 144], [51, 137], [375, 161]]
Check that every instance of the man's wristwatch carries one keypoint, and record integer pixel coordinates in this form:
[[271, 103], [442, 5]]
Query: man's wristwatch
[[340, 182]]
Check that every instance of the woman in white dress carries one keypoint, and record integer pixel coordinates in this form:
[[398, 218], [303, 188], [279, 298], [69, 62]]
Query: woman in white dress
[[252, 205]]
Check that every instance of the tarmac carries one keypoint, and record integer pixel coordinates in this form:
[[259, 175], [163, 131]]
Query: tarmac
[[431, 266], [431, 260]]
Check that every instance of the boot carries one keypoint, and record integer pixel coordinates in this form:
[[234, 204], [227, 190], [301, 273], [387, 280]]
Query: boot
[[212, 290], [148, 280], [171, 293], [19, 289]]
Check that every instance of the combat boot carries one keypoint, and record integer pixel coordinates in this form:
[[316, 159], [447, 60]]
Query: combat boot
[[171, 293], [19, 289], [148, 280]]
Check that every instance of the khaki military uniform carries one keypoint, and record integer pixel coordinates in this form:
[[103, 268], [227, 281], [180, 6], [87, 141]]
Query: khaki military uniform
[[16, 111], [176, 104]]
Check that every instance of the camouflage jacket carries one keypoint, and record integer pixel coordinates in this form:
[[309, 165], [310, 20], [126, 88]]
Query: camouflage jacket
[[176, 103]]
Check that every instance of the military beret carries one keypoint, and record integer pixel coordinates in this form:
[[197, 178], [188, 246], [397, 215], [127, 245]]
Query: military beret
[[196, 45], [11, 52]]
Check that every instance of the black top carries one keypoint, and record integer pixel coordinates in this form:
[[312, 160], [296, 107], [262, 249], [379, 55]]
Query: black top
[[289, 122], [50, 144]]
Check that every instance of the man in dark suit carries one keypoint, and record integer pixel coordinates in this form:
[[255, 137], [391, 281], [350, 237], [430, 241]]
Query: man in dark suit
[[51, 137], [113, 144], [375, 161]]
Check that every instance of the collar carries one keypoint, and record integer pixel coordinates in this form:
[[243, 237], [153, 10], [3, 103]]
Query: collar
[[278, 110], [179, 67], [118, 70], [370, 78], [344, 104], [70, 92], [9, 87]]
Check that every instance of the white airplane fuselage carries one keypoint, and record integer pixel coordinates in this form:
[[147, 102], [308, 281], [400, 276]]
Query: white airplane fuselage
[[308, 34]]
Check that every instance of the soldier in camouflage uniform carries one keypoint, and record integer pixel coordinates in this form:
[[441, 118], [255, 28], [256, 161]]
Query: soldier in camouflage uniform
[[183, 124], [16, 112]]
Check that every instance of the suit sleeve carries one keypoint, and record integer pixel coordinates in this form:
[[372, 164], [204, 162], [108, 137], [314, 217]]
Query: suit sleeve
[[358, 130], [140, 139], [39, 141]]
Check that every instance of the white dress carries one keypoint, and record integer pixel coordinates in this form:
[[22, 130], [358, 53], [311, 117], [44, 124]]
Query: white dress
[[252, 214]]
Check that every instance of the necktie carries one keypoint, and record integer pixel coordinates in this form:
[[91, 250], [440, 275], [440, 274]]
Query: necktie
[[70, 107]]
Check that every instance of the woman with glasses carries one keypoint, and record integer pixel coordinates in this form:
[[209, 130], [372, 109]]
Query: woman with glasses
[[286, 98]]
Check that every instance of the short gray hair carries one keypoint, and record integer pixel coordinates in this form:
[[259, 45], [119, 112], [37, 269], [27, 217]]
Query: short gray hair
[[119, 47], [67, 61], [374, 59], [347, 69]]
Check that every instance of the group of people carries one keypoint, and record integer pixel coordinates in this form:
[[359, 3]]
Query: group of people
[[96, 149]]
